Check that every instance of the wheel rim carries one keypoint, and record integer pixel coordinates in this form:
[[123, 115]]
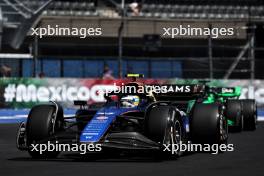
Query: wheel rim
[[223, 128], [176, 132]]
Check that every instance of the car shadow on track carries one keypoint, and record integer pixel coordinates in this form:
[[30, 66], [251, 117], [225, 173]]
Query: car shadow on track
[[71, 157]]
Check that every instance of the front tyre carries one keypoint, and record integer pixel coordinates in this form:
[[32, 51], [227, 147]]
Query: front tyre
[[43, 122]]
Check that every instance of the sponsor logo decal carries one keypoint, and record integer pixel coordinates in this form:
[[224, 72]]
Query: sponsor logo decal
[[101, 118], [227, 90]]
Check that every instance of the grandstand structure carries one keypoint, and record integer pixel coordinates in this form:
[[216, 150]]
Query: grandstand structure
[[17, 17], [133, 42]]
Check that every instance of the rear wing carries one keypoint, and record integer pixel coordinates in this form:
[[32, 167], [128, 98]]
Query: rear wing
[[176, 92]]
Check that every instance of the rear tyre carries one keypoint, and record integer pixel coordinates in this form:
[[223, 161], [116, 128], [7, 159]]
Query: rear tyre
[[164, 125], [233, 113], [43, 122], [208, 124], [249, 113]]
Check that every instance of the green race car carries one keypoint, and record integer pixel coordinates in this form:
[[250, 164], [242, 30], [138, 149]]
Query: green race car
[[240, 113]]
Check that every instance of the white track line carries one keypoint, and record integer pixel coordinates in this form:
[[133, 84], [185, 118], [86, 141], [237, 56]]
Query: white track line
[[24, 116]]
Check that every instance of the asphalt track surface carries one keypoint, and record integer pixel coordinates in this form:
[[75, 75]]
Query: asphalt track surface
[[247, 159]]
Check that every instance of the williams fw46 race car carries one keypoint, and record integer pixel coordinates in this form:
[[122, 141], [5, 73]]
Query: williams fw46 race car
[[129, 121]]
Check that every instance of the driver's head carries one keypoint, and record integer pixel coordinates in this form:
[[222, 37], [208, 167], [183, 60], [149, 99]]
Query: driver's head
[[130, 101]]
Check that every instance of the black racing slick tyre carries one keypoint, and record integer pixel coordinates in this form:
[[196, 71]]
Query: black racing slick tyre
[[42, 123], [208, 124], [249, 112], [163, 124], [233, 112]]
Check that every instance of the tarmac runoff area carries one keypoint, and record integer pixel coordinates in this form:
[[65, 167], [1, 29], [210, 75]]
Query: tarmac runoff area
[[246, 159]]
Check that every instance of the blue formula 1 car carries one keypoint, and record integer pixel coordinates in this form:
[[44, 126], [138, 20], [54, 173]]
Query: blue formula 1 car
[[126, 121]]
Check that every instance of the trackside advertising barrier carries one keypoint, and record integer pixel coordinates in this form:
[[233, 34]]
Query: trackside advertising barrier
[[20, 93]]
